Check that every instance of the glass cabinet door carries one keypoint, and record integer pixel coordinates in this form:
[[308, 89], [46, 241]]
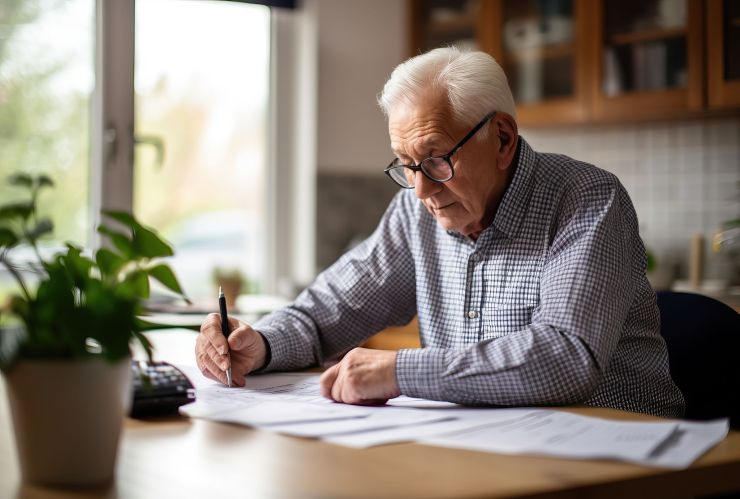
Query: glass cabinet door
[[644, 46], [535, 41], [539, 49], [723, 52], [541, 45], [439, 23], [650, 57], [731, 42]]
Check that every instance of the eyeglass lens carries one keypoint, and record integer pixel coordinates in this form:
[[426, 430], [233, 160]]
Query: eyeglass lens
[[435, 168]]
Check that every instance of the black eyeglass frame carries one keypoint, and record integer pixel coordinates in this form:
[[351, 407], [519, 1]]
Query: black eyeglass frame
[[447, 157]]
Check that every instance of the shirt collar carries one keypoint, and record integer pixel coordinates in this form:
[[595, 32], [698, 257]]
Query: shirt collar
[[511, 211], [513, 206]]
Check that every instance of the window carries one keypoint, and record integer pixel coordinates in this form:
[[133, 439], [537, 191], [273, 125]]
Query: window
[[201, 106], [202, 79], [46, 85]]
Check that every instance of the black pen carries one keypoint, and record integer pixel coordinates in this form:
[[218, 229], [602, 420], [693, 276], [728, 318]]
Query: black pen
[[224, 327]]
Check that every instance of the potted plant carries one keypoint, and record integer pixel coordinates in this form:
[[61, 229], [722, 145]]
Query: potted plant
[[65, 340]]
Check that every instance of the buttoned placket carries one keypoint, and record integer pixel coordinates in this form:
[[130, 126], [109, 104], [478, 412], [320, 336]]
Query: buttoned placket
[[474, 287]]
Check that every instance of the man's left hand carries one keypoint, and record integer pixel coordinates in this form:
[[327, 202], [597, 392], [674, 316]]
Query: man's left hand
[[363, 377]]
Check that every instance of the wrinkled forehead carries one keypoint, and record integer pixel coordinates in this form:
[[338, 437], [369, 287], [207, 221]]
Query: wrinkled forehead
[[423, 123], [425, 105]]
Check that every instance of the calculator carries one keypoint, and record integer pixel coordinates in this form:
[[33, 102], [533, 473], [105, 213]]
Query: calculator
[[159, 388]]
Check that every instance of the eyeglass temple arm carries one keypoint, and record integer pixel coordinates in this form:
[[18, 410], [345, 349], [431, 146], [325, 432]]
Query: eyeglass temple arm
[[472, 132]]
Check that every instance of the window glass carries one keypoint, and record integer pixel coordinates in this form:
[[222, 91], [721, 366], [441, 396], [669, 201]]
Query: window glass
[[202, 80], [46, 83]]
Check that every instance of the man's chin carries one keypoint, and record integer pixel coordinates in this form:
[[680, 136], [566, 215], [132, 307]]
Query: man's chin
[[449, 225]]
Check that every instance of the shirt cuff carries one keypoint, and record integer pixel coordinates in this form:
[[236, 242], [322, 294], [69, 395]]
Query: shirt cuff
[[277, 348], [268, 355], [419, 372]]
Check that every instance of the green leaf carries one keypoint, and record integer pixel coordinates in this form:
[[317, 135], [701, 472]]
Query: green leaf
[[121, 241], [21, 179], [650, 262], [18, 306], [139, 282], [145, 343], [44, 181], [164, 274], [8, 238], [146, 243], [16, 210], [150, 245], [45, 226], [108, 262], [79, 266], [123, 217]]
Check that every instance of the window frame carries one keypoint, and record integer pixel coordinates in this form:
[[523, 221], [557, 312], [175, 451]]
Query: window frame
[[290, 236]]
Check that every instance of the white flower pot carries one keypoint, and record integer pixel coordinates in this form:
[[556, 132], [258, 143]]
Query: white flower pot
[[67, 417]]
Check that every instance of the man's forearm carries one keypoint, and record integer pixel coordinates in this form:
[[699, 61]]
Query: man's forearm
[[536, 366], [291, 340]]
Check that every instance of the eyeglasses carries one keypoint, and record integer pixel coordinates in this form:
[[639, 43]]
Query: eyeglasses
[[436, 168]]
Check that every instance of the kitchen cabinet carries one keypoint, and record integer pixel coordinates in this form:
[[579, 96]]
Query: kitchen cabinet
[[647, 59], [723, 53], [544, 57], [537, 43], [587, 61]]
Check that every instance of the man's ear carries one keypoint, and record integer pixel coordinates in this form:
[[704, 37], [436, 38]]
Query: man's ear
[[508, 135]]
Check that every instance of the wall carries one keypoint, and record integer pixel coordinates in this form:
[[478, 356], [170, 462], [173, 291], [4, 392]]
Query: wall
[[360, 43]]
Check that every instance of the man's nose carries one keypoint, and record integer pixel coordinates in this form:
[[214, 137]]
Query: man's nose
[[424, 187]]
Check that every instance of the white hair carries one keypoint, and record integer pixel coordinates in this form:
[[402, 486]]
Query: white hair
[[474, 82]]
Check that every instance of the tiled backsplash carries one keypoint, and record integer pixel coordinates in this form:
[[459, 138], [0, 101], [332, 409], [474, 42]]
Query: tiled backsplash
[[682, 176]]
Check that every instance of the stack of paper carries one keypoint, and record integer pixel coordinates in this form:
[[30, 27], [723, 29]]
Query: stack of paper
[[291, 404]]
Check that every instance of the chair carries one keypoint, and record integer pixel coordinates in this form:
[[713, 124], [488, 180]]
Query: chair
[[703, 338]]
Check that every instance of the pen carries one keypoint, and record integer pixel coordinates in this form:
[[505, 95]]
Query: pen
[[224, 326]]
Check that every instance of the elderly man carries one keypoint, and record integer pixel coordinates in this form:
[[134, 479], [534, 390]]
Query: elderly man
[[526, 269]]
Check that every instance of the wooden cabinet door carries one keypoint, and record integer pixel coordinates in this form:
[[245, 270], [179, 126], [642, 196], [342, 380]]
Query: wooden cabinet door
[[646, 59], [438, 23], [540, 45], [542, 48], [723, 53]]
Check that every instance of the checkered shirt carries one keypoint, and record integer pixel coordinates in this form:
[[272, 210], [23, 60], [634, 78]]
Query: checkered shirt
[[549, 306]]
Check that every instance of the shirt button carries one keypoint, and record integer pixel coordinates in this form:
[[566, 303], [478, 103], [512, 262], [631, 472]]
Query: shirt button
[[475, 257], [473, 314]]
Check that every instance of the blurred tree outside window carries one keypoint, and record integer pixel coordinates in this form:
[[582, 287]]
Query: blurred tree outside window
[[46, 84]]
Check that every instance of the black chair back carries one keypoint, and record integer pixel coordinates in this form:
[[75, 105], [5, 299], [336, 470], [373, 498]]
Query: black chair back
[[703, 338]]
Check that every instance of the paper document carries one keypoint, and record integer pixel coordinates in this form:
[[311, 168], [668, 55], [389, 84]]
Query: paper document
[[377, 419], [280, 413], [268, 400], [291, 403], [688, 443], [413, 433], [562, 434]]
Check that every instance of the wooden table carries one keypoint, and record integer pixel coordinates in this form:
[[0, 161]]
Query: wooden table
[[181, 458]]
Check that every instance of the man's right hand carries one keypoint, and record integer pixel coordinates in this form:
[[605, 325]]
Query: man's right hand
[[245, 350]]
